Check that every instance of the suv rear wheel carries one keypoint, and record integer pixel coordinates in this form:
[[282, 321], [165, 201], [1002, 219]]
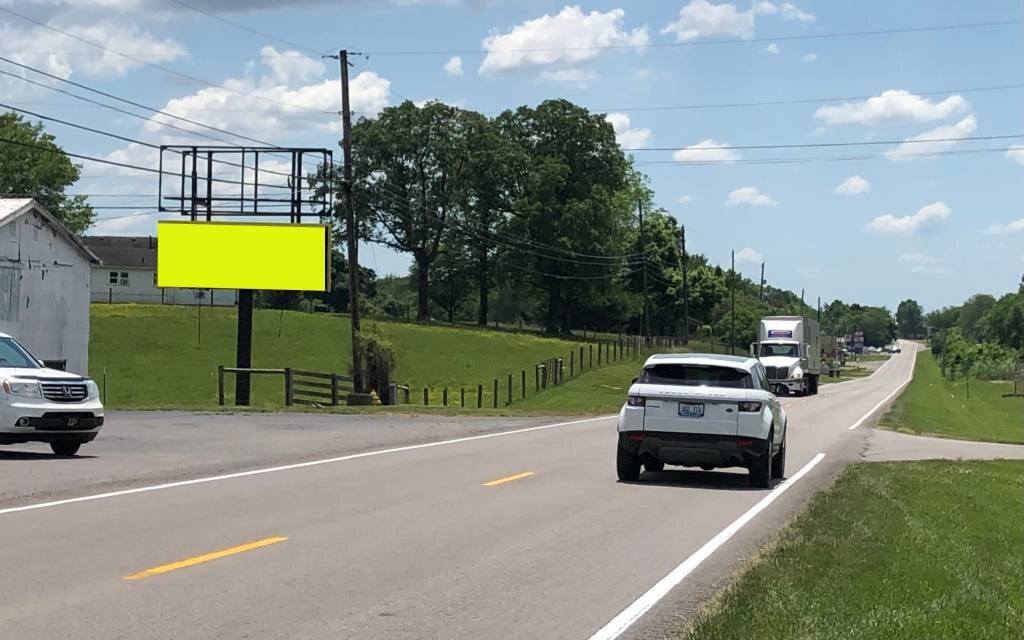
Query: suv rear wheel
[[761, 467], [779, 462], [628, 465], [65, 448]]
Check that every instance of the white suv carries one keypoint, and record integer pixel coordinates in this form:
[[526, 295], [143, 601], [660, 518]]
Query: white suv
[[707, 411], [38, 404]]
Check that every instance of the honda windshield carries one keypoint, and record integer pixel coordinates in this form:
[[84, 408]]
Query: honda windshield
[[14, 356]]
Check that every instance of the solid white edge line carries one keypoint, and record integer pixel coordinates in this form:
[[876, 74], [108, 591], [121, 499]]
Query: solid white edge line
[[886, 399], [290, 467], [620, 623]]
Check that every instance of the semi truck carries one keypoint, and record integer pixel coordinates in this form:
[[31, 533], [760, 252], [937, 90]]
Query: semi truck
[[789, 347]]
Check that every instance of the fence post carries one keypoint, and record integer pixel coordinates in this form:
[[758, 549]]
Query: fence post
[[560, 371], [572, 363], [110, 295], [599, 354], [462, 397], [591, 357], [444, 397], [581, 359], [220, 384], [334, 389], [522, 386], [536, 377], [509, 389], [479, 396], [494, 397], [289, 387], [426, 397]]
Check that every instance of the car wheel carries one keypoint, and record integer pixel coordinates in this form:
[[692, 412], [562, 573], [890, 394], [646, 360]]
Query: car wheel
[[779, 462], [628, 466], [761, 468], [65, 448], [654, 466]]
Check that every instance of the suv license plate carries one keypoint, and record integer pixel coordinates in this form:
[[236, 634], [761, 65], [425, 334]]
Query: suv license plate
[[691, 410]]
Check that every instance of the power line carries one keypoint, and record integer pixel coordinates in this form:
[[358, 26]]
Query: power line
[[242, 27], [806, 160], [704, 43], [153, 65], [817, 145]]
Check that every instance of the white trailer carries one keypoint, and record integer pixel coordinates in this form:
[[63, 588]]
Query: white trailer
[[789, 347]]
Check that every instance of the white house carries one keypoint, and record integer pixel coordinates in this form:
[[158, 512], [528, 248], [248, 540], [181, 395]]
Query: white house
[[44, 284], [128, 274]]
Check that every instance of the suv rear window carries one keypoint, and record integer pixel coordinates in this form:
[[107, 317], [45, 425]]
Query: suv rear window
[[689, 375]]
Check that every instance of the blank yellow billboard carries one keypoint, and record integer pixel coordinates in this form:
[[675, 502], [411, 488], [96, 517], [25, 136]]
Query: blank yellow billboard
[[236, 255]]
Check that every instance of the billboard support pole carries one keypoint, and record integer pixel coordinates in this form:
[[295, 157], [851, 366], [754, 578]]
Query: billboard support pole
[[243, 347]]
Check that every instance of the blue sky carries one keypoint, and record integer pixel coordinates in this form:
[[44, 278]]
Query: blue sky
[[875, 229]]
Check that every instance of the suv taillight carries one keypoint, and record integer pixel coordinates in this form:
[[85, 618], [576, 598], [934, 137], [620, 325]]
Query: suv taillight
[[750, 407], [636, 401]]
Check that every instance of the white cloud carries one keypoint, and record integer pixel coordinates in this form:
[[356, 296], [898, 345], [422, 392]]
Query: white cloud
[[916, 258], [892, 106], [684, 199], [701, 19], [123, 225], [926, 217], [749, 196], [579, 78], [454, 66], [1016, 152], [47, 50], [1015, 226], [273, 105], [626, 136], [709, 150], [853, 186], [810, 57], [749, 256], [791, 12], [772, 49], [562, 40], [942, 138], [287, 67]]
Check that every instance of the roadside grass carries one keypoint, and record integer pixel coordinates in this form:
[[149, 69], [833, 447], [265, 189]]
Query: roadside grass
[[872, 357], [892, 550], [935, 406], [154, 356], [849, 372], [596, 392]]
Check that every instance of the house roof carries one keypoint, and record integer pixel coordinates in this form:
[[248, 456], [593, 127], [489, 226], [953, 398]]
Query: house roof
[[130, 252], [13, 208]]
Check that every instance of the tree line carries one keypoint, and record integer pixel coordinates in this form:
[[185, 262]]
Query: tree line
[[984, 335]]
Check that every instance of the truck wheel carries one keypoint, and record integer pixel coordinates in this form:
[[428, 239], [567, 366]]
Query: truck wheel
[[65, 448], [761, 468], [654, 466], [779, 462], [628, 466]]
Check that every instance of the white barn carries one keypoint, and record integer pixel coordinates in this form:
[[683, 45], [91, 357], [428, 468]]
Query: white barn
[[44, 284]]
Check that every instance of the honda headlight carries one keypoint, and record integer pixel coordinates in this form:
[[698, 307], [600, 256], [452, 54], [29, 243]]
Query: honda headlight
[[92, 390], [23, 389], [798, 373]]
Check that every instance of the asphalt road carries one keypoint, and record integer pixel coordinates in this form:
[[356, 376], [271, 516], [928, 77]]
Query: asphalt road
[[516, 535]]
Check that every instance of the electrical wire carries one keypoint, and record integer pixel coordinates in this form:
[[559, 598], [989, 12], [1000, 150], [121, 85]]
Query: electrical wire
[[242, 27], [822, 145]]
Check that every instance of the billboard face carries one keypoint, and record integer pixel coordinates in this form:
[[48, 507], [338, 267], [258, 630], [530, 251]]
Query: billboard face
[[233, 255]]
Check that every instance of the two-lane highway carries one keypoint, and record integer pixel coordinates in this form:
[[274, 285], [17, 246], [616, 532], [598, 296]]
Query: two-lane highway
[[522, 534]]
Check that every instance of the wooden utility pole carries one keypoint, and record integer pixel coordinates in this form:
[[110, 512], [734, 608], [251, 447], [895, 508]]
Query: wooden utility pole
[[351, 231], [819, 310], [686, 285], [646, 321], [732, 319], [760, 293]]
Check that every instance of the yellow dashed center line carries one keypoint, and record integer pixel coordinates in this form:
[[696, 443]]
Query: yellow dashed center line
[[216, 555], [517, 476]]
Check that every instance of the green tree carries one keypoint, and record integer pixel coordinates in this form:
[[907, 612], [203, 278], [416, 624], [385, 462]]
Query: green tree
[[1005, 321], [410, 165], [41, 170], [574, 199], [452, 273], [910, 319], [972, 313]]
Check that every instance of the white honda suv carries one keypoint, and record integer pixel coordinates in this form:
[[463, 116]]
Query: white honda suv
[[701, 410], [38, 404]]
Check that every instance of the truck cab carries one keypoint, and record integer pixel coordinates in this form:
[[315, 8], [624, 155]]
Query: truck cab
[[789, 349]]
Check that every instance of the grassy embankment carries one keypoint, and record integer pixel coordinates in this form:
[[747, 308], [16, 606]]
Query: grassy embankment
[[933, 405], [892, 550]]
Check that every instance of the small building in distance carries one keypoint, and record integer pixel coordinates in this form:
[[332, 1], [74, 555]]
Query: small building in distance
[[128, 274], [44, 284]]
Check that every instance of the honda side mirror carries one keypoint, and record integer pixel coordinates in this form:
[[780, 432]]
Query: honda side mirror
[[634, 380]]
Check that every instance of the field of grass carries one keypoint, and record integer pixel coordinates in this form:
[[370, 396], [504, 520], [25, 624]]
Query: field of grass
[[153, 356], [596, 392], [895, 551], [849, 372], [933, 405]]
